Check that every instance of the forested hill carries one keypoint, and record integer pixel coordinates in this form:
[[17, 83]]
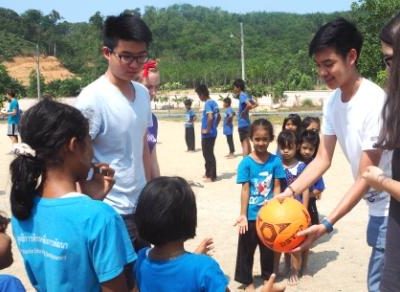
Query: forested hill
[[195, 44]]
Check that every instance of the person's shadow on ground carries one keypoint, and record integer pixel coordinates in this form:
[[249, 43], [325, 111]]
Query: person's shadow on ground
[[226, 175], [319, 260]]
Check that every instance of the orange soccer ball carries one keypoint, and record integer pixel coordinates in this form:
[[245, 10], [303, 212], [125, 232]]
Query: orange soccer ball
[[278, 223]]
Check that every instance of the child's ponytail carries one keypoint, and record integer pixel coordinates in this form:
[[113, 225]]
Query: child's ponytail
[[26, 174]]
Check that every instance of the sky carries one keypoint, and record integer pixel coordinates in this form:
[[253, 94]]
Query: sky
[[78, 11]]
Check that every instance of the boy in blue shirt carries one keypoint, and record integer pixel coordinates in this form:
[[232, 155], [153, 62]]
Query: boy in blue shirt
[[189, 125], [209, 123], [228, 126]]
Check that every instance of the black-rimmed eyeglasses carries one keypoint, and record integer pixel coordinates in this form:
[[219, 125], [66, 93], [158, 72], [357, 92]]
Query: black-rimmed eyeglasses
[[128, 59]]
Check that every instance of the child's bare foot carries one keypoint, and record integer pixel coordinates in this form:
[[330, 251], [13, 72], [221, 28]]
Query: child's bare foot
[[271, 286], [293, 278], [250, 288]]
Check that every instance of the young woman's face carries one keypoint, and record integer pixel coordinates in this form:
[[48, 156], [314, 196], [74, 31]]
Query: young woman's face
[[152, 82], [290, 126], [261, 139], [288, 152], [387, 51], [307, 151]]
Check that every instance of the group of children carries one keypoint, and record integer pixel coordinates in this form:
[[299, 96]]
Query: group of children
[[263, 175]]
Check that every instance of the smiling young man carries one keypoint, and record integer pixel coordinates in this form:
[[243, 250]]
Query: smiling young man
[[351, 116], [119, 114]]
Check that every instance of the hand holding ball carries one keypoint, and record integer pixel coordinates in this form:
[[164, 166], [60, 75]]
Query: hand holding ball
[[278, 223]]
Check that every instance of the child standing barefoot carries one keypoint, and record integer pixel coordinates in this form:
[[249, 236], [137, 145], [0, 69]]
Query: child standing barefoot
[[259, 173], [288, 145], [69, 241]]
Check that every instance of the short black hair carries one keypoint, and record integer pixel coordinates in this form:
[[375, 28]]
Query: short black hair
[[188, 102], [228, 100], [11, 92], [311, 137], [287, 138], [166, 211], [127, 27], [340, 35], [263, 123], [202, 90], [306, 122], [239, 83]]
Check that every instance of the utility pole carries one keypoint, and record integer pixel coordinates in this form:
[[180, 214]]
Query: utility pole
[[242, 50], [37, 71]]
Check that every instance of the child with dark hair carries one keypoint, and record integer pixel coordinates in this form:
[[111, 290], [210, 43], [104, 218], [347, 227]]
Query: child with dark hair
[[308, 148], [246, 103], [228, 126], [69, 241], [292, 123], [288, 145], [189, 125], [209, 123], [166, 216], [311, 123], [259, 173]]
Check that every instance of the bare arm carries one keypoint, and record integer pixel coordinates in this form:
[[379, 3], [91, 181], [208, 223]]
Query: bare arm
[[209, 124], [146, 158], [117, 284], [277, 186], [155, 168], [244, 202], [377, 179]]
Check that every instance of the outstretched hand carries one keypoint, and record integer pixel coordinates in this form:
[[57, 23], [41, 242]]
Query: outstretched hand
[[374, 177], [101, 182], [205, 247], [242, 223], [312, 233]]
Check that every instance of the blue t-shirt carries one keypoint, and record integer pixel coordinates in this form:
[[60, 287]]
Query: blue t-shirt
[[228, 125], [72, 243], [292, 173], [243, 117], [210, 106], [14, 105], [261, 178], [188, 272], [10, 283], [189, 117], [152, 133]]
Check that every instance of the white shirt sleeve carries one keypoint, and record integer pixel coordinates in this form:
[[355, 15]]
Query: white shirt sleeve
[[327, 126], [90, 109], [372, 124]]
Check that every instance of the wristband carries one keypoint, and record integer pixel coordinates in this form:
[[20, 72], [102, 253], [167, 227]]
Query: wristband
[[291, 188], [328, 225]]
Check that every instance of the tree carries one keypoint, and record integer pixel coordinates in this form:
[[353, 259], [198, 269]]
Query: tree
[[7, 82]]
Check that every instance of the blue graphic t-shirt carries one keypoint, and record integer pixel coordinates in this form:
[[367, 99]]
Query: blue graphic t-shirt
[[292, 173], [261, 178], [228, 125], [210, 106], [189, 117], [188, 272], [73, 243], [13, 120], [243, 117]]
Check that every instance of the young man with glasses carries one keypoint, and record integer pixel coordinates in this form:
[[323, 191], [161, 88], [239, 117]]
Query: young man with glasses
[[352, 117], [119, 114]]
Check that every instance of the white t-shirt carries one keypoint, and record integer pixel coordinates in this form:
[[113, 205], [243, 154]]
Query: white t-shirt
[[357, 124], [117, 127]]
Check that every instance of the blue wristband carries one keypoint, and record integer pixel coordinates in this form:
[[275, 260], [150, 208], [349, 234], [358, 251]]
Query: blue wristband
[[328, 225]]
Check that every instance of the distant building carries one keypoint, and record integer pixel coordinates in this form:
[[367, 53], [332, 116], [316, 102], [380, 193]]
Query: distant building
[[297, 98]]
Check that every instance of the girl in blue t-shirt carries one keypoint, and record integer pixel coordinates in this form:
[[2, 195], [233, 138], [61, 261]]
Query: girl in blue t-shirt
[[288, 145], [62, 233], [259, 173], [309, 142], [166, 216]]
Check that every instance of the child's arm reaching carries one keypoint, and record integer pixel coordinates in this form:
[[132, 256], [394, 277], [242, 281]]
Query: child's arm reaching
[[244, 202], [277, 187]]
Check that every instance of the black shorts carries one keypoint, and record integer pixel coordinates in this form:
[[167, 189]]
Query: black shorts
[[244, 133]]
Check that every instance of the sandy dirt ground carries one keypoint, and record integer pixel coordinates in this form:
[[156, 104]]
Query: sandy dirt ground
[[338, 263]]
